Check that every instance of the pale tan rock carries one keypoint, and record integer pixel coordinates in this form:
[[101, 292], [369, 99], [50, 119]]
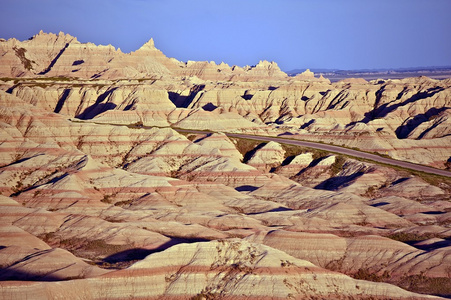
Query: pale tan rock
[[221, 142], [330, 206], [259, 271], [104, 191], [63, 55], [413, 188], [359, 254], [376, 116], [320, 249], [303, 159], [357, 177], [49, 264], [269, 156], [401, 206], [205, 120], [296, 165], [15, 236], [327, 161]]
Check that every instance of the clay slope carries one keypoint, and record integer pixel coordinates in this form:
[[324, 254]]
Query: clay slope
[[216, 270], [406, 119], [51, 55], [96, 184], [112, 195]]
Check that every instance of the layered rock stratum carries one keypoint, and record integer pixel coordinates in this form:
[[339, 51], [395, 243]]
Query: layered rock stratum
[[103, 196]]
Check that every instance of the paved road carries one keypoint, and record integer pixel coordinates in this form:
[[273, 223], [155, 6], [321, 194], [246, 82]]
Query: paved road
[[337, 149]]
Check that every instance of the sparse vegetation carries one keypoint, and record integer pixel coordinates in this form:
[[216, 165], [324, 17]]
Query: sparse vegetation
[[371, 191], [61, 166], [107, 199], [137, 125], [366, 274], [410, 237], [20, 52], [439, 286], [191, 137], [206, 296], [123, 203], [292, 150], [317, 154], [245, 146], [337, 166], [93, 250]]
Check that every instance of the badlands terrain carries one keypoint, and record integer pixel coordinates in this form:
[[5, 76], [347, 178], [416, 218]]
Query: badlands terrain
[[104, 196]]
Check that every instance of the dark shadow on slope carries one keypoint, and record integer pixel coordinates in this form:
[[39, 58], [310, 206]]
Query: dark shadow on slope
[[387, 108], [23, 159], [78, 62], [209, 107], [130, 105], [429, 129], [18, 275], [185, 101], [11, 89], [433, 246], [400, 180], [433, 212], [202, 138], [314, 163], [12, 272], [62, 100], [338, 182], [285, 133], [251, 153], [247, 97], [305, 125], [287, 160], [54, 180], [380, 204], [338, 99], [404, 130], [135, 254], [54, 60], [246, 188], [98, 107], [177, 99], [278, 209]]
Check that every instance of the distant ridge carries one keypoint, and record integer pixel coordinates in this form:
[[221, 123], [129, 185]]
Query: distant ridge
[[436, 72], [63, 55]]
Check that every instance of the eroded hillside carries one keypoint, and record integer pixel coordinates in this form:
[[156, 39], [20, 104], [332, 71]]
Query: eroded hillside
[[98, 186]]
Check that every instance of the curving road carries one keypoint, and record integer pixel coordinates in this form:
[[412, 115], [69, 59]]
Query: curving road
[[336, 149]]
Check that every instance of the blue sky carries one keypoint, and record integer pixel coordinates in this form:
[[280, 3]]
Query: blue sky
[[343, 34]]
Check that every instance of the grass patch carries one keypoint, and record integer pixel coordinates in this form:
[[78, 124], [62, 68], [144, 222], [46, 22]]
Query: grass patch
[[337, 166], [318, 154], [20, 53], [189, 136], [292, 150], [439, 286], [125, 203], [365, 274], [94, 250], [108, 199], [247, 147], [406, 237]]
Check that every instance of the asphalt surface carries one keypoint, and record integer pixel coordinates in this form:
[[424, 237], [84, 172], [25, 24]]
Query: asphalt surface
[[337, 149]]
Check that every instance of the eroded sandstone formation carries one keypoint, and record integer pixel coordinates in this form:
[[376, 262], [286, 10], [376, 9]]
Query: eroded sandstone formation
[[102, 197]]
